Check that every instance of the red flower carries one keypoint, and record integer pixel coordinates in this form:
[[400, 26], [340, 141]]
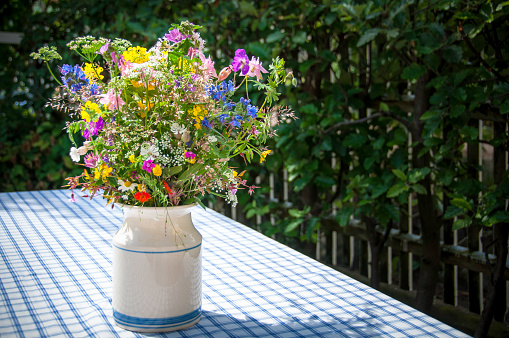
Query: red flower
[[168, 189], [142, 196]]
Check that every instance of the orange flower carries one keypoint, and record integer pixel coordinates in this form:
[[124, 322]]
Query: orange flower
[[142, 196]]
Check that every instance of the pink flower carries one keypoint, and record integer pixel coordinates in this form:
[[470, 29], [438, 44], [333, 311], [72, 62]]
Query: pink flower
[[148, 165], [175, 36], [104, 48], [112, 101], [255, 67], [190, 155], [208, 65]]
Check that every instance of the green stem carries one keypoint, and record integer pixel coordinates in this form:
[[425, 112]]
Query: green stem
[[56, 79]]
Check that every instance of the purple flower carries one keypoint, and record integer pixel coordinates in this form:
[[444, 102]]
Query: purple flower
[[106, 159], [91, 160], [175, 36], [134, 175], [93, 128], [148, 165], [240, 62]]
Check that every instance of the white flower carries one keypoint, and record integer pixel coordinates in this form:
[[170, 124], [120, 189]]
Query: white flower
[[126, 185], [151, 150], [212, 139], [178, 129], [75, 156]]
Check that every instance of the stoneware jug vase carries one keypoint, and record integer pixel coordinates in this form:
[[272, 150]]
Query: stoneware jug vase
[[157, 270]]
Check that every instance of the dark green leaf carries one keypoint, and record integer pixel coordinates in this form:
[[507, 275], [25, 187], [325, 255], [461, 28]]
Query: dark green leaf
[[368, 36], [452, 54], [413, 72]]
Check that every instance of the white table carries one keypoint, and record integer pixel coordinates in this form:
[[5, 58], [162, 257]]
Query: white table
[[55, 280]]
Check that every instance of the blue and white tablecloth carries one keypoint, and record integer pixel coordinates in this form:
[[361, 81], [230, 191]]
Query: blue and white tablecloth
[[55, 280]]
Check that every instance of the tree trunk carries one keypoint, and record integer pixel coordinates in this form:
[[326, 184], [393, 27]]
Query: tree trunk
[[497, 281], [430, 227], [495, 305]]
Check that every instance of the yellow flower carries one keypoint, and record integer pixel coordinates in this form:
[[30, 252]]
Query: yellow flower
[[145, 108], [198, 114], [137, 84], [131, 158], [92, 72], [91, 107], [141, 187], [104, 171], [87, 176], [157, 170], [136, 54], [264, 154]]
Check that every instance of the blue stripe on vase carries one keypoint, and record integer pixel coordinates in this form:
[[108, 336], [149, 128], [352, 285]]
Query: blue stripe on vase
[[157, 252], [156, 323]]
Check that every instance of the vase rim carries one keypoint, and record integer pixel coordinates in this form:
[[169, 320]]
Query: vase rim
[[141, 208]]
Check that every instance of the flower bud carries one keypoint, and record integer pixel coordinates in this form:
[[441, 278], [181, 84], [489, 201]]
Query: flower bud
[[82, 150], [186, 137], [225, 72]]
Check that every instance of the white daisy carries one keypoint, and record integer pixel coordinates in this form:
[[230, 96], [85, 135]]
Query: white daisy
[[126, 185]]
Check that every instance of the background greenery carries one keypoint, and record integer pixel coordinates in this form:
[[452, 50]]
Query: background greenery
[[390, 91]]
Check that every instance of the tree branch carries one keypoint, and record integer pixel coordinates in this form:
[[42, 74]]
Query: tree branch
[[392, 115], [465, 37]]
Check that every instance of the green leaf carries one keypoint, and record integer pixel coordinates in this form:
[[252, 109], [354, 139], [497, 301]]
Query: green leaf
[[500, 217], [247, 8], [459, 94], [461, 223], [299, 37], [418, 188], [413, 72], [293, 225], [396, 190], [343, 216], [453, 211], [368, 36], [457, 110], [452, 54], [368, 162], [461, 203], [504, 107], [429, 114], [400, 174], [276, 36]]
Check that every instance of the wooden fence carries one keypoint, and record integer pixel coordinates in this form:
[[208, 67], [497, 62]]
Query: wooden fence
[[464, 276]]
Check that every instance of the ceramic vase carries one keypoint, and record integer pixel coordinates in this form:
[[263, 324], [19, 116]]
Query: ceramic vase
[[157, 270]]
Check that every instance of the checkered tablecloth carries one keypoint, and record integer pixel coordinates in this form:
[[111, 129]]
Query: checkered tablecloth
[[55, 280]]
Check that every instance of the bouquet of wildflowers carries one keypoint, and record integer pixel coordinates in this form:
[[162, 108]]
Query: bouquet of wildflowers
[[158, 127]]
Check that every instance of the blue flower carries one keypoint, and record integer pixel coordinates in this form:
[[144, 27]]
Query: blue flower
[[252, 110], [222, 117], [73, 77], [244, 101], [94, 89], [236, 121], [229, 105], [206, 123]]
